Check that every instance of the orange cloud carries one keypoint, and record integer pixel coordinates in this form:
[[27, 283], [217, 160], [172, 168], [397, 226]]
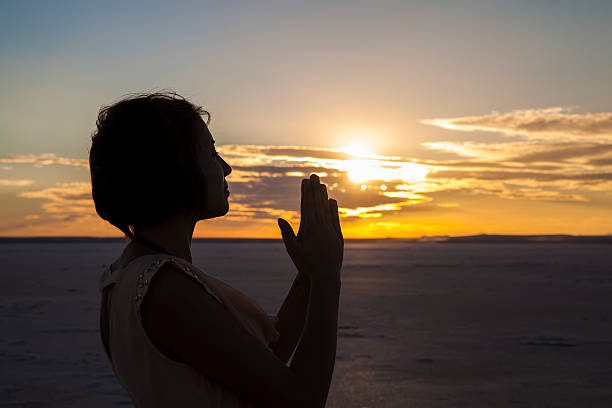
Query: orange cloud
[[67, 199], [377, 195], [16, 183], [45, 159], [555, 123]]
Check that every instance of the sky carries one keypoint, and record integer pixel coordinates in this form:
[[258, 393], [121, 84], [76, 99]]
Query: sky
[[423, 118]]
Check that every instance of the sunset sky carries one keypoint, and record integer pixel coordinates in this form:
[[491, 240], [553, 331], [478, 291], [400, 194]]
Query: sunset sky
[[423, 118]]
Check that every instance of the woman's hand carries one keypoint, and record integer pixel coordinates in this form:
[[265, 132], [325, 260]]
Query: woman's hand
[[317, 250]]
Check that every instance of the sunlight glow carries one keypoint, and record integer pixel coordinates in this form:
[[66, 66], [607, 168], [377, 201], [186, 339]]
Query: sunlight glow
[[359, 149], [367, 212], [371, 166], [383, 170]]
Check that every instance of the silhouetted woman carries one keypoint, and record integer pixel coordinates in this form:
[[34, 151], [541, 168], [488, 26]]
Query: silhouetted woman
[[175, 336]]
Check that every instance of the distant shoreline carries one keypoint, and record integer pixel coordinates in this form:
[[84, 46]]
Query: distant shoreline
[[471, 239]]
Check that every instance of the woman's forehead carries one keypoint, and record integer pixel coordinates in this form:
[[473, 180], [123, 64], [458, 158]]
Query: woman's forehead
[[204, 133]]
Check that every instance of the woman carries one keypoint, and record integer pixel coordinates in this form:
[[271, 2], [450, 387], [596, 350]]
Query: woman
[[174, 335]]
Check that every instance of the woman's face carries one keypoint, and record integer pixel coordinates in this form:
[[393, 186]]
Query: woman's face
[[214, 169]]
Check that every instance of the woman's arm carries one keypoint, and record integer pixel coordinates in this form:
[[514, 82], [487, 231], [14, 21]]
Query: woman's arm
[[204, 334], [291, 318], [179, 316]]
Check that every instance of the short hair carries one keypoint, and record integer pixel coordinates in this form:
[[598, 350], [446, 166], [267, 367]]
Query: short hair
[[143, 160]]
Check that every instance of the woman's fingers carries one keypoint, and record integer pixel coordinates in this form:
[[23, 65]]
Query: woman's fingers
[[303, 209], [320, 201], [290, 241], [333, 211], [315, 191], [325, 206], [318, 246], [307, 205]]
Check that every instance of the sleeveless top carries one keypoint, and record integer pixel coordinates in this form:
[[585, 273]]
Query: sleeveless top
[[149, 376]]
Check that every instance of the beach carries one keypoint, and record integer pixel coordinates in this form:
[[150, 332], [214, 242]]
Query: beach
[[420, 324]]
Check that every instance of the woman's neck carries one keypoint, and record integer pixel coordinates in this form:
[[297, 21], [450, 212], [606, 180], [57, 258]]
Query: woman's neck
[[174, 235]]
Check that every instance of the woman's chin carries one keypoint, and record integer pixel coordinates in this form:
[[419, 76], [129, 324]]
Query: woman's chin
[[225, 211], [214, 214]]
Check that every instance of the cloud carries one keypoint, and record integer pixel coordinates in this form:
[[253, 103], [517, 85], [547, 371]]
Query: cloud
[[265, 181], [565, 165], [16, 183], [519, 175], [523, 152], [564, 152], [64, 206], [548, 123], [604, 161], [66, 200], [265, 211], [374, 186], [268, 177], [498, 152], [564, 156], [45, 159], [561, 156]]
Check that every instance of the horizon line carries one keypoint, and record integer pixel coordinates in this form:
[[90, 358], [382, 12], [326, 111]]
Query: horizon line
[[477, 238]]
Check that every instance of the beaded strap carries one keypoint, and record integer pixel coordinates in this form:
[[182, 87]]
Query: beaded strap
[[144, 278]]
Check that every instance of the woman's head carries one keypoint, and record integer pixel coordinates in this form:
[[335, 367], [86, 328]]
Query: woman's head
[[152, 156]]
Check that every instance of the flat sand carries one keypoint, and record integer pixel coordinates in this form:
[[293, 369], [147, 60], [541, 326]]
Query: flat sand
[[421, 325]]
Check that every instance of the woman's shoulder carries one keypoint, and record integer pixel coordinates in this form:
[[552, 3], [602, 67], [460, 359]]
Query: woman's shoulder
[[116, 271]]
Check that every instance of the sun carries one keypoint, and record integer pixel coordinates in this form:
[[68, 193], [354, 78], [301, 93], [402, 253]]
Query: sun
[[368, 166], [360, 149], [359, 169]]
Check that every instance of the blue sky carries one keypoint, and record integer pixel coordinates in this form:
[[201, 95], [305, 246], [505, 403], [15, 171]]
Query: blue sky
[[321, 74]]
